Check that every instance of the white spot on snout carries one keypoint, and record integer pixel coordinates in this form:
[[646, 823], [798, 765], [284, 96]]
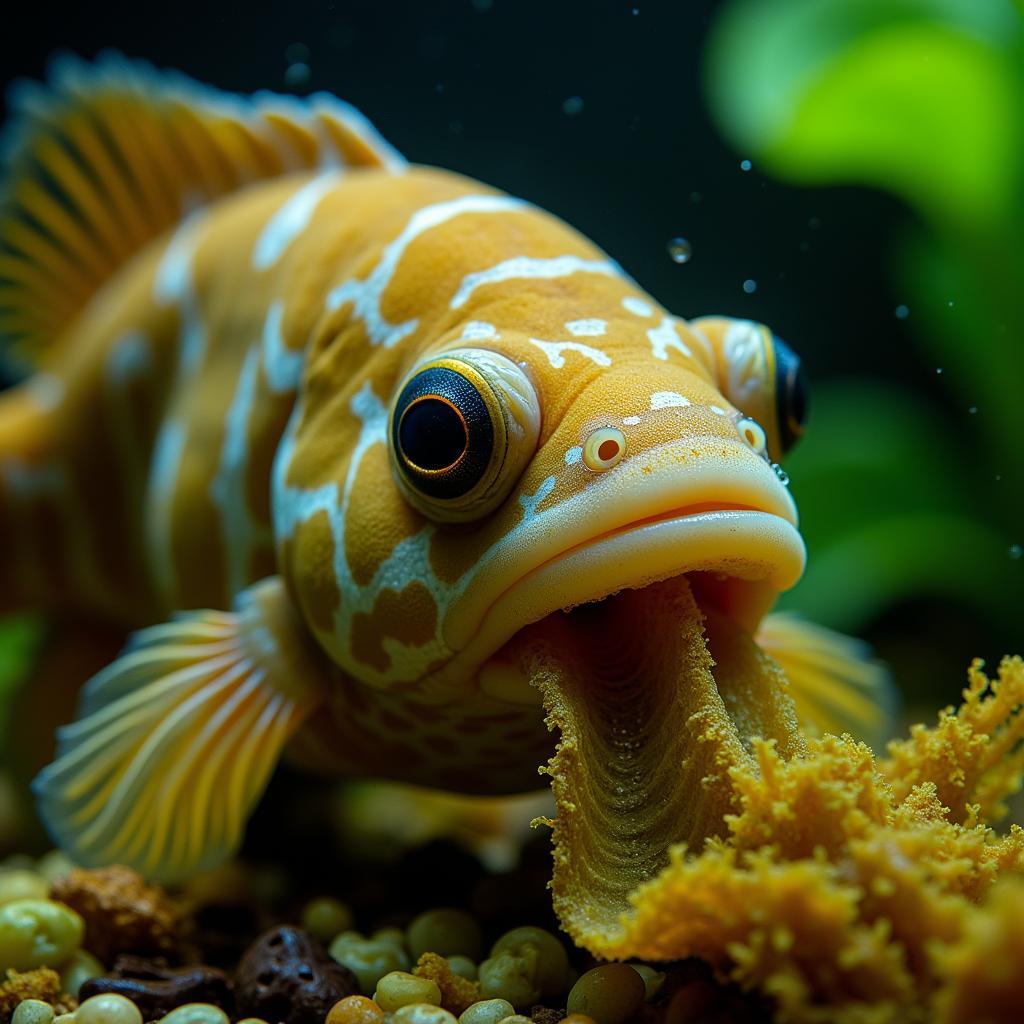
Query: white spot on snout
[[668, 400], [663, 337], [592, 328]]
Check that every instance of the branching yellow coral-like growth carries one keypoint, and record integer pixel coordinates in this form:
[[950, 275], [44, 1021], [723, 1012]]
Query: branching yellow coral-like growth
[[854, 891]]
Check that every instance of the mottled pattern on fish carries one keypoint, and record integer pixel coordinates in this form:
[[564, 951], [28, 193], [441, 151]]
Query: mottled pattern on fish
[[215, 407]]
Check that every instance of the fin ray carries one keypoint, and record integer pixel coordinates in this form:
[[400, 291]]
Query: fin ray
[[178, 738], [110, 155], [835, 684]]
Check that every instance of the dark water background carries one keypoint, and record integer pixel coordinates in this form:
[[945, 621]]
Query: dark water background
[[482, 88]]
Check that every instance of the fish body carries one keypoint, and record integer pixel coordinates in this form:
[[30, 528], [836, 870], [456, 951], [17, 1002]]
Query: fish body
[[355, 433]]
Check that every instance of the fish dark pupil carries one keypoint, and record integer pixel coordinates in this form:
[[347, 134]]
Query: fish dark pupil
[[433, 435]]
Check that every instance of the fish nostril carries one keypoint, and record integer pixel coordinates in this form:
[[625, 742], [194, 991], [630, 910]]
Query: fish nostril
[[753, 433], [603, 449]]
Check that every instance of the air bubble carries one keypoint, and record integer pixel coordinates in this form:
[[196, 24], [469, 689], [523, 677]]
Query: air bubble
[[745, 165], [573, 105], [1016, 551], [680, 250], [902, 312], [297, 75], [781, 474], [750, 286]]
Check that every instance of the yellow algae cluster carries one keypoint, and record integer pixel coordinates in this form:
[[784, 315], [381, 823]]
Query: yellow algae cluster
[[853, 889]]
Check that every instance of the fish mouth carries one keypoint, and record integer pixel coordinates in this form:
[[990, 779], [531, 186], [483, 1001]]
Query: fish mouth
[[737, 554], [635, 643]]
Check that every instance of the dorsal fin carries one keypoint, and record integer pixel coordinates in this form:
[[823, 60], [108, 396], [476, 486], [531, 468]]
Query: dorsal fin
[[109, 155]]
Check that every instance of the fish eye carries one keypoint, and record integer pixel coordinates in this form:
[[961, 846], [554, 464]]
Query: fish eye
[[463, 427], [791, 395]]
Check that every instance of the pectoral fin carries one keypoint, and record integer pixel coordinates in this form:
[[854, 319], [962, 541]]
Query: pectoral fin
[[176, 739], [835, 684]]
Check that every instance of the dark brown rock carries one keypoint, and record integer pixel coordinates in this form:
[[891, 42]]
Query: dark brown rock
[[287, 975], [156, 989]]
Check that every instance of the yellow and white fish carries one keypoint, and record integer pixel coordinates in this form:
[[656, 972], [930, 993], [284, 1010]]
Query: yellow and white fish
[[354, 434]]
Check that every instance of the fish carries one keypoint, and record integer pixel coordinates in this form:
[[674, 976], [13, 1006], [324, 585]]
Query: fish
[[383, 471]]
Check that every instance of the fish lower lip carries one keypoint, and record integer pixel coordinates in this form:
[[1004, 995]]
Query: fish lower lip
[[743, 544]]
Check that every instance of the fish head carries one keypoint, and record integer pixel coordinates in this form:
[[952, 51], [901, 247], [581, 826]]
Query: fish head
[[497, 478]]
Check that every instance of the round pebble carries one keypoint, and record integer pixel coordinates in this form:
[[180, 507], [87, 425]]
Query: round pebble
[[32, 1011], [517, 1018], [326, 917], [511, 977], [423, 1013], [80, 968], [108, 1009], [38, 933], [397, 988], [196, 1013], [21, 884], [487, 1011], [368, 959], [393, 935], [54, 864], [611, 993], [463, 967], [653, 980], [355, 1010], [552, 961], [444, 931]]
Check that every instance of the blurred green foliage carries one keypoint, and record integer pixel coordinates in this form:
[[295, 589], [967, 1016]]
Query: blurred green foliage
[[20, 636], [924, 99]]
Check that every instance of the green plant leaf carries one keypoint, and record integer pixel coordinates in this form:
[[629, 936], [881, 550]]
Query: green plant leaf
[[885, 512], [920, 98]]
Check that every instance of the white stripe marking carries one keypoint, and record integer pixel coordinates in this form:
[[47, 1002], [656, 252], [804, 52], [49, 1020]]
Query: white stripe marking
[[366, 295], [174, 284], [281, 364], [554, 349], [524, 267], [228, 489], [477, 330], [290, 220], [163, 477], [636, 306], [531, 501]]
